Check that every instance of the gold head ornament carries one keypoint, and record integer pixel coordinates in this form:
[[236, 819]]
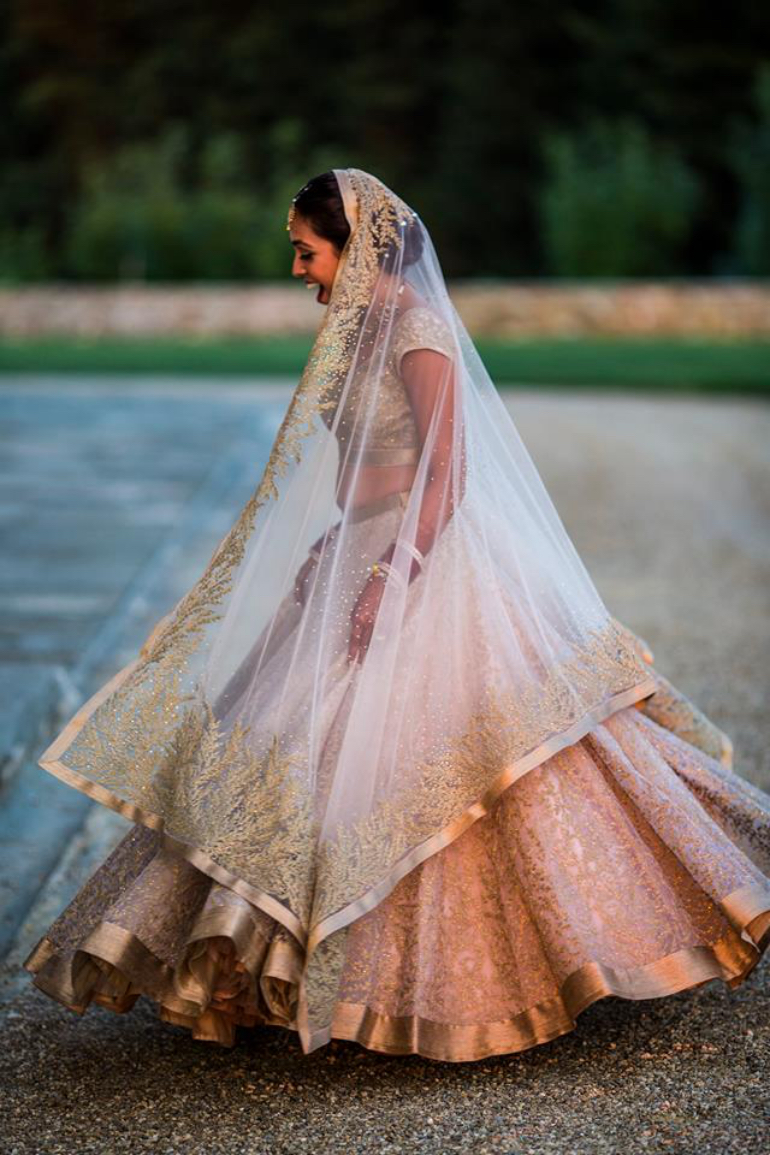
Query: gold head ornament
[[292, 209]]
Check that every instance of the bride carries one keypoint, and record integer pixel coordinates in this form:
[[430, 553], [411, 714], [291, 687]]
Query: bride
[[395, 774]]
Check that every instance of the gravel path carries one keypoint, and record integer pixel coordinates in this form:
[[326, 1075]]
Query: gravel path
[[668, 502]]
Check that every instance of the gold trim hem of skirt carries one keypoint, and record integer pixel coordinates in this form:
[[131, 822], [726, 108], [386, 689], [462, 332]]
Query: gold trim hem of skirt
[[727, 959], [112, 968], [103, 967]]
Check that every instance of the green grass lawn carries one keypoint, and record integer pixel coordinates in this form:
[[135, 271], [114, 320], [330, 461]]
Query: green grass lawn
[[730, 366]]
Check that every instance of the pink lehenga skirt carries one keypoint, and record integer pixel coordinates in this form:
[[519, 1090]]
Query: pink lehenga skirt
[[633, 863]]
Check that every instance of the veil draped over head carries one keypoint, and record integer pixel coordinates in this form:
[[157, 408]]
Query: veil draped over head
[[308, 781]]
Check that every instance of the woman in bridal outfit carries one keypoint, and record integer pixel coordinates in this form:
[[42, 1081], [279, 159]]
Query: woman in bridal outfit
[[395, 774]]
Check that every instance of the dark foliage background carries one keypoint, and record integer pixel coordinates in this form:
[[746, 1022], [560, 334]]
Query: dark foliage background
[[162, 140]]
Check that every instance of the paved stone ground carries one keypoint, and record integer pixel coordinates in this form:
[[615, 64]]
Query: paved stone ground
[[668, 502], [113, 499]]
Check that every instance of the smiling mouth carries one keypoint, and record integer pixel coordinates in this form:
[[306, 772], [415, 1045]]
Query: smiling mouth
[[319, 287]]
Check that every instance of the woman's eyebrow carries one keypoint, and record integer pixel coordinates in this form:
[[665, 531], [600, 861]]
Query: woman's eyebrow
[[305, 243]]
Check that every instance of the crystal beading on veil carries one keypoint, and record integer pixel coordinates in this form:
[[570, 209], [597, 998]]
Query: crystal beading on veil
[[308, 783]]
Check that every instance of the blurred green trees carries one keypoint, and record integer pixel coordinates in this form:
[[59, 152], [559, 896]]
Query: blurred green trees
[[750, 155], [615, 202], [616, 138], [139, 218]]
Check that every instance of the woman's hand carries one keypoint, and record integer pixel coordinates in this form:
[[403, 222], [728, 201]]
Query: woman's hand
[[305, 570], [364, 616], [300, 581]]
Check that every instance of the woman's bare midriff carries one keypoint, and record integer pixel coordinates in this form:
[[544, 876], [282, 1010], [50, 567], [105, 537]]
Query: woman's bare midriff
[[373, 481]]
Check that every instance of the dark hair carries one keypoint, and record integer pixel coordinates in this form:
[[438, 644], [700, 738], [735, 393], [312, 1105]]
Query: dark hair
[[320, 203]]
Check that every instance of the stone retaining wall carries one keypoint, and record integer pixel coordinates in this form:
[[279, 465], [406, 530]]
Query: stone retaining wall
[[491, 309]]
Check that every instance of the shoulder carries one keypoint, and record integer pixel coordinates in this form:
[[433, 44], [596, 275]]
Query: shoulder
[[421, 327]]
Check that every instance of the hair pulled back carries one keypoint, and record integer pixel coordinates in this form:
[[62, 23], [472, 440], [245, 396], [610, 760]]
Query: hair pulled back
[[320, 203]]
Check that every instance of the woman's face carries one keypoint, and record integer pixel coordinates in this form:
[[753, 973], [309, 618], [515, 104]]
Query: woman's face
[[315, 259]]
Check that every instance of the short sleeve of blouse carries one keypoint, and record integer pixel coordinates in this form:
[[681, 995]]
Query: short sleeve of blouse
[[421, 328]]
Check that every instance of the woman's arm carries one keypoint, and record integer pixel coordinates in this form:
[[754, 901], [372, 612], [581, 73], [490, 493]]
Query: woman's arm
[[430, 378], [312, 559], [320, 542], [431, 382]]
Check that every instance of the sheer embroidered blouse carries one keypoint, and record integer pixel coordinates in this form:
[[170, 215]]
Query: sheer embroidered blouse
[[392, 437]]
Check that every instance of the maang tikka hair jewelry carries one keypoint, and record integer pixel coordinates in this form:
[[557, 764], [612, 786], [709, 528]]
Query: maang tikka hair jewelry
[[292, 210]]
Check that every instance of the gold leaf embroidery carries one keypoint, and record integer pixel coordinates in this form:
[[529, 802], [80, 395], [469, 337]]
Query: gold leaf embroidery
[[322, 977], [246, 809]]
